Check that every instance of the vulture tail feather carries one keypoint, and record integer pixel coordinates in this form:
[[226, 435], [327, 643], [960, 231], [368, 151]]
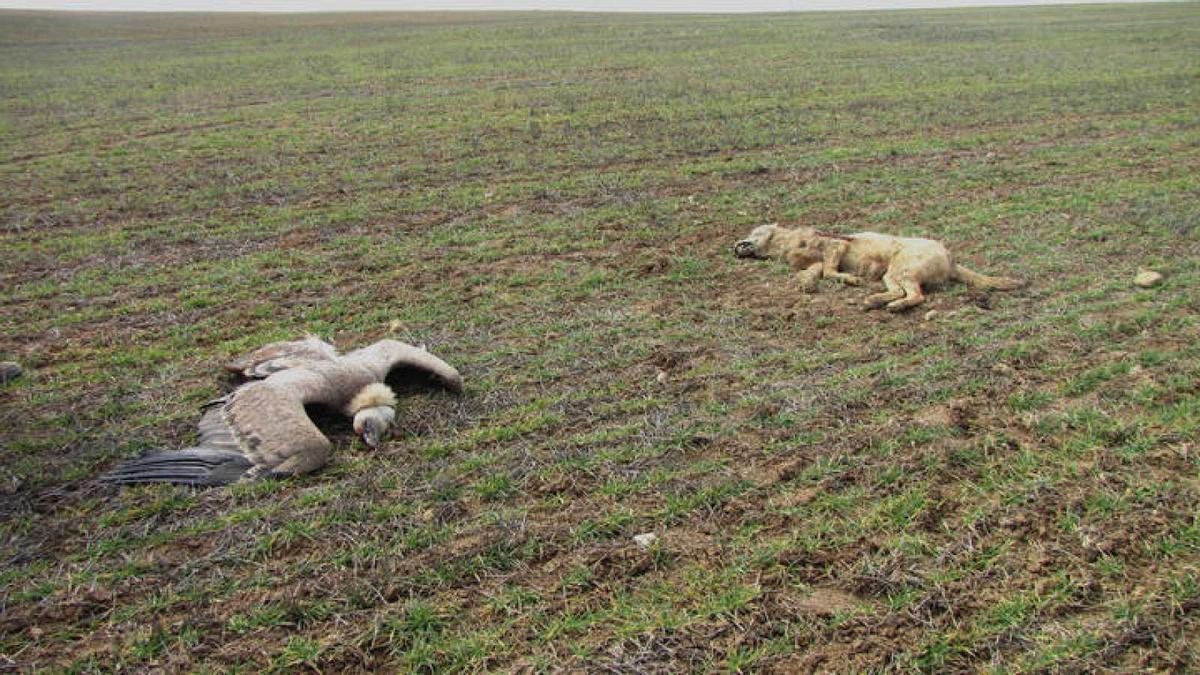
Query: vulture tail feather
[[193, 466], [216, 402]]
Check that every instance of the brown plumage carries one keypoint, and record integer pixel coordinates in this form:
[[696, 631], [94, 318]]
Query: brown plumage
[[277, 356], [262, 429]]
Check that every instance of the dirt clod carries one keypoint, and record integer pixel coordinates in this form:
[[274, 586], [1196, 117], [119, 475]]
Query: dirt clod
[[645, 540], [1147, 278], [9, 371]]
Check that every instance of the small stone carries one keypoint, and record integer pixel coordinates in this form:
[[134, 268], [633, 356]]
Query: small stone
[[645, 540], [932, 314], [1147, 278], [394, 326], [661, 377], [9, 371]]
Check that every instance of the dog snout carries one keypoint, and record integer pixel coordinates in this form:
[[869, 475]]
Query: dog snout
[[744, 249]]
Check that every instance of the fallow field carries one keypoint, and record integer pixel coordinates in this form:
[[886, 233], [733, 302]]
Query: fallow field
[[549, 203]]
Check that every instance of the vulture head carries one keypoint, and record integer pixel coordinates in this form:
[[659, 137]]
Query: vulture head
[[374, 410]]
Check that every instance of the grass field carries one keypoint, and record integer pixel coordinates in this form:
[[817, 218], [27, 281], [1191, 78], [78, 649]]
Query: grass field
[[549, 202]]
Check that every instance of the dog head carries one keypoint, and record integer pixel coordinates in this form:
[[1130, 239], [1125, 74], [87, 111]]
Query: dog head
[[757, 244]]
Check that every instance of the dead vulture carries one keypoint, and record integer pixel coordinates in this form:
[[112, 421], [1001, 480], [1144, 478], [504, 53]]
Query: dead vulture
[[262, 429]]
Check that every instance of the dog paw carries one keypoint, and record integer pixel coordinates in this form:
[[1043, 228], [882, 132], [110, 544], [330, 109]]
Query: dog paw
[[807, 283]]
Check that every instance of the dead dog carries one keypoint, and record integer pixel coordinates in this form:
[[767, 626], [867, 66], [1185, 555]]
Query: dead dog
[[905, 264]]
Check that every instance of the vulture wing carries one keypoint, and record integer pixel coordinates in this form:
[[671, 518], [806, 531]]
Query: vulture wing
[[259, 429], [393, 362], [277, 356]]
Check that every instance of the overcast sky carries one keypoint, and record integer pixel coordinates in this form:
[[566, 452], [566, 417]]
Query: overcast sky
[[577, 5]]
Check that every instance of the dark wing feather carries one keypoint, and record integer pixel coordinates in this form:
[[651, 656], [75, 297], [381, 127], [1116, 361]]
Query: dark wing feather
[[198, 466], [260, 429]]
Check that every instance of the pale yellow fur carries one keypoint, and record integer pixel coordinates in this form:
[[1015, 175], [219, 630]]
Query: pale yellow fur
[[904, 264], [374, 395]]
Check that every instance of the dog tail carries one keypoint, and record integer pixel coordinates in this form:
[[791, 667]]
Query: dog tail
[[978, 280]]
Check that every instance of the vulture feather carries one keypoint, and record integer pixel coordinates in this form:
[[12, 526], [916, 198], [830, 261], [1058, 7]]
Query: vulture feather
[[261, 428], [278, 356]]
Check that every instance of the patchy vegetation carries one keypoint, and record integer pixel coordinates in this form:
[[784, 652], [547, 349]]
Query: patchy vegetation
[[549, 203]]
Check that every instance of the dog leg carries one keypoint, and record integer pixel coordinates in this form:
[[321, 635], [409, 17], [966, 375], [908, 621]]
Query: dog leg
[[809, 277], [832, 262], [848, 279], [894, 292], [912, 295]]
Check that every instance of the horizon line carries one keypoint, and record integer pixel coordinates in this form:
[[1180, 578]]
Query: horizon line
[[786, 7]]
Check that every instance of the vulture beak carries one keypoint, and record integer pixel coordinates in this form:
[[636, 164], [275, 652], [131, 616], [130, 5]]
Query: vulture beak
[[372, 435], [373, 424]]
